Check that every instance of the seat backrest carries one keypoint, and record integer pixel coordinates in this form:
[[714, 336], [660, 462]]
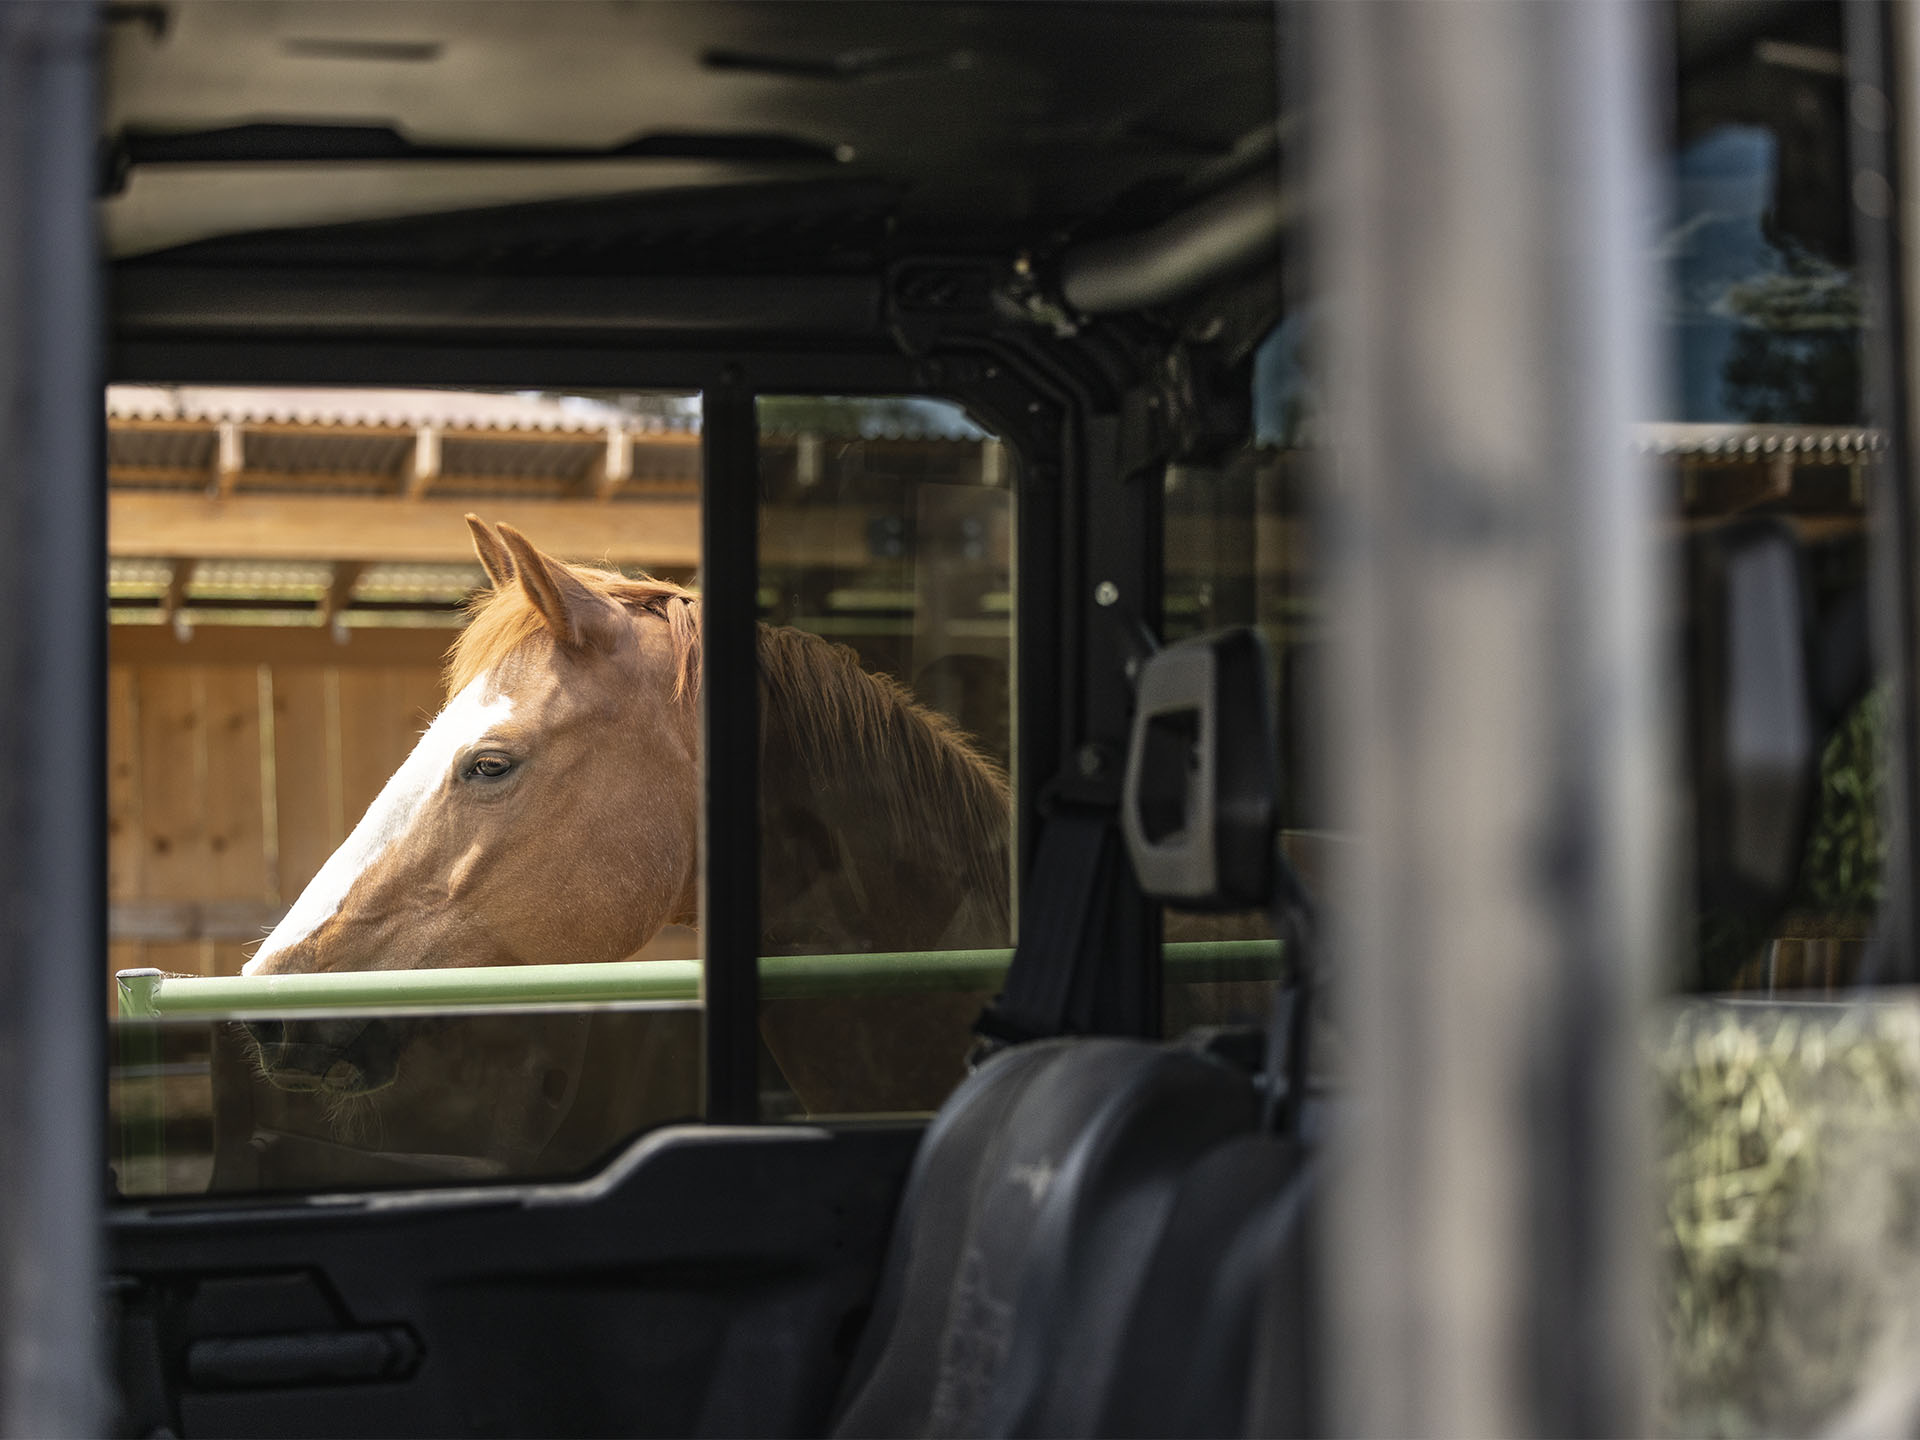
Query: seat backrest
[[1028, 1228], [1220, 1339]]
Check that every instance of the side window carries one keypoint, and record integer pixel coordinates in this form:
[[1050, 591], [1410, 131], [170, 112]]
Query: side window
[[1765, 422], [1237, 552], [1784, 1127], [405, 813], [472, 936], [886, 591]]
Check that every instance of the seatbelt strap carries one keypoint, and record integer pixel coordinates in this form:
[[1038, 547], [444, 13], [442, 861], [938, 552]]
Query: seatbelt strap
[[1295, 925], [1063, 932]]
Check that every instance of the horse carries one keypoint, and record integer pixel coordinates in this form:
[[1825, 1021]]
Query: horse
[[551, 813]]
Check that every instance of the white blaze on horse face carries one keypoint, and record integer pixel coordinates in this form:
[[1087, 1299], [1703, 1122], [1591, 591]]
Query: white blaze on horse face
[[466, 719]]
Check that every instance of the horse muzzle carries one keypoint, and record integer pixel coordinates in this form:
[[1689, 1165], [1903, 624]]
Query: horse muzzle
[[338, 1057]]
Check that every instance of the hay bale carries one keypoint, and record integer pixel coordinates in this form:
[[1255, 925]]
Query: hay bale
[[1790, 1239]]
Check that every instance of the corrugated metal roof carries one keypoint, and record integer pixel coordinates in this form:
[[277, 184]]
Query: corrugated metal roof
[[329, 450], [401, 409], [240, 446], [884, 418], [343, 442], [161, 449], [1739, 442], [523, 460]]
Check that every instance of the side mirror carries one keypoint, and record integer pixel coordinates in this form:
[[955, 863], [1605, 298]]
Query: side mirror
[[1756, 721], [1200, 800]]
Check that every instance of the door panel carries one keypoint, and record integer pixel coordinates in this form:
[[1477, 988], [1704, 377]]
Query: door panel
[[710, 1281]]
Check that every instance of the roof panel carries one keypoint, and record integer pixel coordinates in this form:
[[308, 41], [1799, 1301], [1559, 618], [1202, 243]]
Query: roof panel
[[989, 120]]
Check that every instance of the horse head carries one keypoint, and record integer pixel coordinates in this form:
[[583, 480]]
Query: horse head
[[548, 814]]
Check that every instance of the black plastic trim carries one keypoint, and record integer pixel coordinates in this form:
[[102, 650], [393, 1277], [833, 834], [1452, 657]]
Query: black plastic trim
[[730, 748]]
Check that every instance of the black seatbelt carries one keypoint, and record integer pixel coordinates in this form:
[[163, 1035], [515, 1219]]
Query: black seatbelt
[[1066, 910], [1286, 1067], [1050, 985]]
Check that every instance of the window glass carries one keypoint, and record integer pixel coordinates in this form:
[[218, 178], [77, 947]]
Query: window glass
[[886, 588], [1765, 424], [1237, 548], [288, 571], [1762, 278], [1784, 1127]]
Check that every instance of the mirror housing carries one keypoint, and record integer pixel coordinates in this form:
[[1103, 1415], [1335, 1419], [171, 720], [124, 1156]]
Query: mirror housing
[[1200, 800]]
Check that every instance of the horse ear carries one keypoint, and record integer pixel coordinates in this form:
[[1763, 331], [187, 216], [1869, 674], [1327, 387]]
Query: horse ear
[[576, 616], [494, 558]]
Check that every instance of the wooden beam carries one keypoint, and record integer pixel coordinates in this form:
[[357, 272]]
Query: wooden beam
[[993, 464], [373, 529], [426, 462], [385, 646], [662, 461], [230, 459], [178, 578], [1809, 529], [651, 481], [339, 589], [657, 534], [615, 467], [176, 426]]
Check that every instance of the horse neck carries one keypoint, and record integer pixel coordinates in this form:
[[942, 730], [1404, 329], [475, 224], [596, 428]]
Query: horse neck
[[901, 799]]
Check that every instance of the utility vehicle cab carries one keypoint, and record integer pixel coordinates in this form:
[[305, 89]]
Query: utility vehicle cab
[[946, 719]]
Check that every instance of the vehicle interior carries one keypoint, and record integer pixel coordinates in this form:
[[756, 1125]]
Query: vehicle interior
[[931, 718], [1052, 234]]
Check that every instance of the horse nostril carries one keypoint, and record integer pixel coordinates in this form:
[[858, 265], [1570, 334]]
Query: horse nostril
[[266, 1033]]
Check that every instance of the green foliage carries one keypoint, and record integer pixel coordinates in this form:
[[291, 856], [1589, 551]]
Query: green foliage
[[1796, 357], [1809, 294], [1844, 870]]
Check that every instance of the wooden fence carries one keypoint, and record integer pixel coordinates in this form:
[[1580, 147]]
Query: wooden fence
[[229, 784]]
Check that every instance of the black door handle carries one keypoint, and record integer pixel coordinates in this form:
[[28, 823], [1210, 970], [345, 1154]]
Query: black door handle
[[306, 1357]]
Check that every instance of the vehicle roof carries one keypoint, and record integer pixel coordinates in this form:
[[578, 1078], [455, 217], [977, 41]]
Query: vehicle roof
[[681, 133]]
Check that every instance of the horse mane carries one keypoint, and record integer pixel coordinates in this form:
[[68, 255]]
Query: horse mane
[[502, 620], [845, 727], [851, 729]]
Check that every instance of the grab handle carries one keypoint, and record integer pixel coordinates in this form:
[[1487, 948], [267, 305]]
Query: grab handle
[[309, 1357]]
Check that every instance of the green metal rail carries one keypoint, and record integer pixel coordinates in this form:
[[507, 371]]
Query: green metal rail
[[151, 994]]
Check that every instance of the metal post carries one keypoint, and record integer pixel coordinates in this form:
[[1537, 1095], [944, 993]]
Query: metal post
[[1499, 732], [1882, 41], [730, 748], [52, 746]]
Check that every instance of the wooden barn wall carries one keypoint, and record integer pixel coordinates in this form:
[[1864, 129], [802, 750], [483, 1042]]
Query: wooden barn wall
[[231, 782]]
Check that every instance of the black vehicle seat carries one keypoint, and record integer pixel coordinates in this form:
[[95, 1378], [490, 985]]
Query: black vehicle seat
[[1231, 1282], [1034, 1222], [1105, 1236]]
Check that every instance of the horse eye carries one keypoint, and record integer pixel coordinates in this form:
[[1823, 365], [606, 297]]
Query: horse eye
[[489, 766]]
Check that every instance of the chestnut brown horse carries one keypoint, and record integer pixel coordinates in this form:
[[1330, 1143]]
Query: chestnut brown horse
[[550, 813]]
